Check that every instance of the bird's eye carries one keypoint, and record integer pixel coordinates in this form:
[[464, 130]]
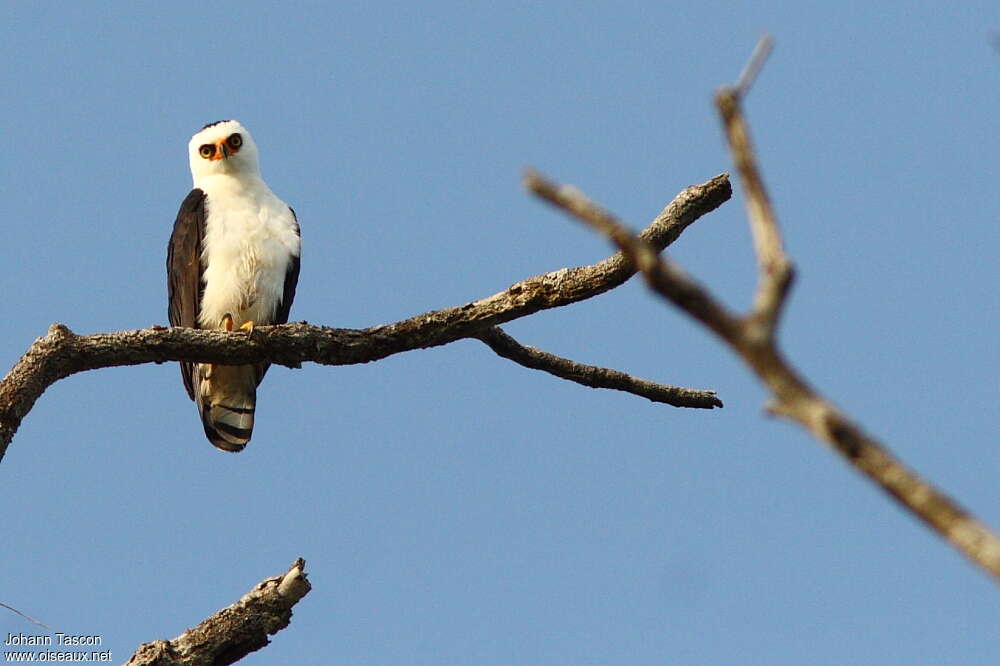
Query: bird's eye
[[206, 150], [235, 141]]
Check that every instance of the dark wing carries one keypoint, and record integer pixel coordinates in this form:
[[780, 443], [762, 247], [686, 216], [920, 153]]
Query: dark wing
[[287, 296], [184, 287], [291, 280]]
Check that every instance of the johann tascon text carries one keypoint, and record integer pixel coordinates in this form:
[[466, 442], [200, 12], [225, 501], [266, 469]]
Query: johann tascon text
[[57, 638], [62, 648]]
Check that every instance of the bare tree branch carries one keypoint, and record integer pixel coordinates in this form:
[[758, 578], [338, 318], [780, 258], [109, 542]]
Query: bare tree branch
[[593, 376], [235, 631], [752, 338], [62, 353]]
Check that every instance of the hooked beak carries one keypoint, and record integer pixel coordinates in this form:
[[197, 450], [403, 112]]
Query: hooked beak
[[221, 150]]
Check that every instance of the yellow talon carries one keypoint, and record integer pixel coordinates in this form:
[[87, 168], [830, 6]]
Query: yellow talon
[[247, 326]]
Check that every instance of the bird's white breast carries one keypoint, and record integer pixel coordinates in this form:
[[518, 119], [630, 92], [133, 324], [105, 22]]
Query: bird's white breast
[[250, 238]]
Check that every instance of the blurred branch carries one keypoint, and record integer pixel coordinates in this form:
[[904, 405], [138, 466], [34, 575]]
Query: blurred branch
[[752, 337], [753, 66], [62, 353], [25, 616], [235, 631]]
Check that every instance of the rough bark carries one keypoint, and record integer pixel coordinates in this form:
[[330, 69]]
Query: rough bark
[[235, 631], [62, 353]]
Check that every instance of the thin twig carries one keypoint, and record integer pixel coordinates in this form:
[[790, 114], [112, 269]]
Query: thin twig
[[594, 376], [775, 270], [25, 615], [750, 71]]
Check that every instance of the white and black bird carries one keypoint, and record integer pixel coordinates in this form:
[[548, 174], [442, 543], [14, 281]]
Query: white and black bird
[[232, 262]]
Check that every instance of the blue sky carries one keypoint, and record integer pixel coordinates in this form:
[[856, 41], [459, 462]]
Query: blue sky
[[454, 508]]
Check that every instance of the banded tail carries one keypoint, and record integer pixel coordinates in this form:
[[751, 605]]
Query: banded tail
[[227, 397]]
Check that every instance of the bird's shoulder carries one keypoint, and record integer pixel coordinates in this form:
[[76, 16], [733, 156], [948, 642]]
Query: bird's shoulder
[[193, 200], [191, 214]]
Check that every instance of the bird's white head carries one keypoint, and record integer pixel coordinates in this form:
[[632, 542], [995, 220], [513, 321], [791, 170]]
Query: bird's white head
[[223, 148]]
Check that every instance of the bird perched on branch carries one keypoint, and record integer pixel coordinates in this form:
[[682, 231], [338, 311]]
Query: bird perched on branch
[[232, 262]]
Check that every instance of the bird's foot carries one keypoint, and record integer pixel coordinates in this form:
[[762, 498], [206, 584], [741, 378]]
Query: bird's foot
[[228, 324], [248, 327]]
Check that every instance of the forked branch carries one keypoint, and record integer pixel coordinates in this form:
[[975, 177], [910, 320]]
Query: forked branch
[[752, 337]]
